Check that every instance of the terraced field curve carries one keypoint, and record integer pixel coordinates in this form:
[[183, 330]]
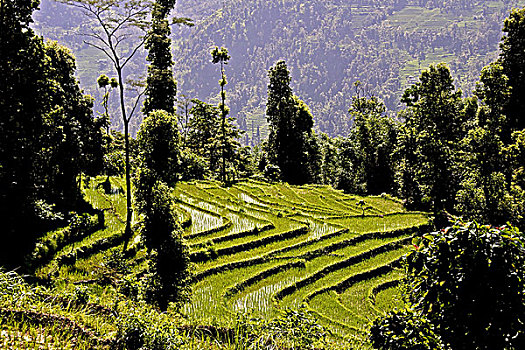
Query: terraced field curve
[[263, 247], [256, 247]]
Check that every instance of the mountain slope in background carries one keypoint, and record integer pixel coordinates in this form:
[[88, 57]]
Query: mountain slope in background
[[327, 44]]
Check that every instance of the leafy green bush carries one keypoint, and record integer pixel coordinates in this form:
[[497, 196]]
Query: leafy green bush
[[159, 145], [467, 281], [13, 288], [272, 172], [139, 327], [80, 295], [293, 329], [117, 261], [407, 330], [46, 212]]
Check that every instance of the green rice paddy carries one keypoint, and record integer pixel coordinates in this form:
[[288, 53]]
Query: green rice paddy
[[260, 248]]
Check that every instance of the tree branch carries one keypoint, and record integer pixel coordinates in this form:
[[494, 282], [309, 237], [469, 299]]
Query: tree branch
[[101, 49], [136, 104]]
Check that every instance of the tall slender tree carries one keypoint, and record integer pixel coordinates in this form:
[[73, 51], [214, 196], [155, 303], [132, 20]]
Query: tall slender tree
[[119, 29], [169, 277], [482, 193], [159, 154], [221, 56]]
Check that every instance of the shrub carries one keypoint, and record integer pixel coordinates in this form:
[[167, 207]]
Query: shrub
[[79, 227], [405, 330], [80, 295], [139, 327], [272, 172], [468, 281], [293, 329]]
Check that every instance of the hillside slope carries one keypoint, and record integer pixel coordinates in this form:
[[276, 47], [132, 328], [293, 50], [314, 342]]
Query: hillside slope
[[258, 248], [328, 45], [262, 248]]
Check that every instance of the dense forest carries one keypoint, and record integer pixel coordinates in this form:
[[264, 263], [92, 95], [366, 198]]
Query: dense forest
[[70, 175], [328, 45]]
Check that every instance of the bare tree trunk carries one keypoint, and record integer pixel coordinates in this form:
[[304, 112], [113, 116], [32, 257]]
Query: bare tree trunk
[[129, 211]]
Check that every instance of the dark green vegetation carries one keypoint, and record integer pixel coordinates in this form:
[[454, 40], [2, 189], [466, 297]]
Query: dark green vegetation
[[475, 266], [161, 87], [275, 256], [291, 144], [48, 134]]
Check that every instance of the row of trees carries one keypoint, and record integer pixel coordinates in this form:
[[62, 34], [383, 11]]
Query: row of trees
[[51, 138], [444, 153], [465, 154]]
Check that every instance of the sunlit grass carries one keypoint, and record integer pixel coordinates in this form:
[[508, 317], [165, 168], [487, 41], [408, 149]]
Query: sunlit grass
[[302, 233], [336, 231]]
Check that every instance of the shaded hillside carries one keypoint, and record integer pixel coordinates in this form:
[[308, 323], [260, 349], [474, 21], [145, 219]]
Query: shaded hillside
[[328, 45]]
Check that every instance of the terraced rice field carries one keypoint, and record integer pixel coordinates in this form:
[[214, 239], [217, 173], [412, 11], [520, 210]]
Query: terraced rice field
[[260, 248]]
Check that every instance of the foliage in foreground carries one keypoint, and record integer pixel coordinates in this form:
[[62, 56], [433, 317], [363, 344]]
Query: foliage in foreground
[[294, 329], [136, 325], [467, 287]]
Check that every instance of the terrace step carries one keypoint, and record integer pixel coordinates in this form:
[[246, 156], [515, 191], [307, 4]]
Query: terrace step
[[312, 244], [340, 265]]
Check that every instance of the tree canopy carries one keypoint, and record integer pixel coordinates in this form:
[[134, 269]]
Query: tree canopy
[[49, 134], [291, 145]]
